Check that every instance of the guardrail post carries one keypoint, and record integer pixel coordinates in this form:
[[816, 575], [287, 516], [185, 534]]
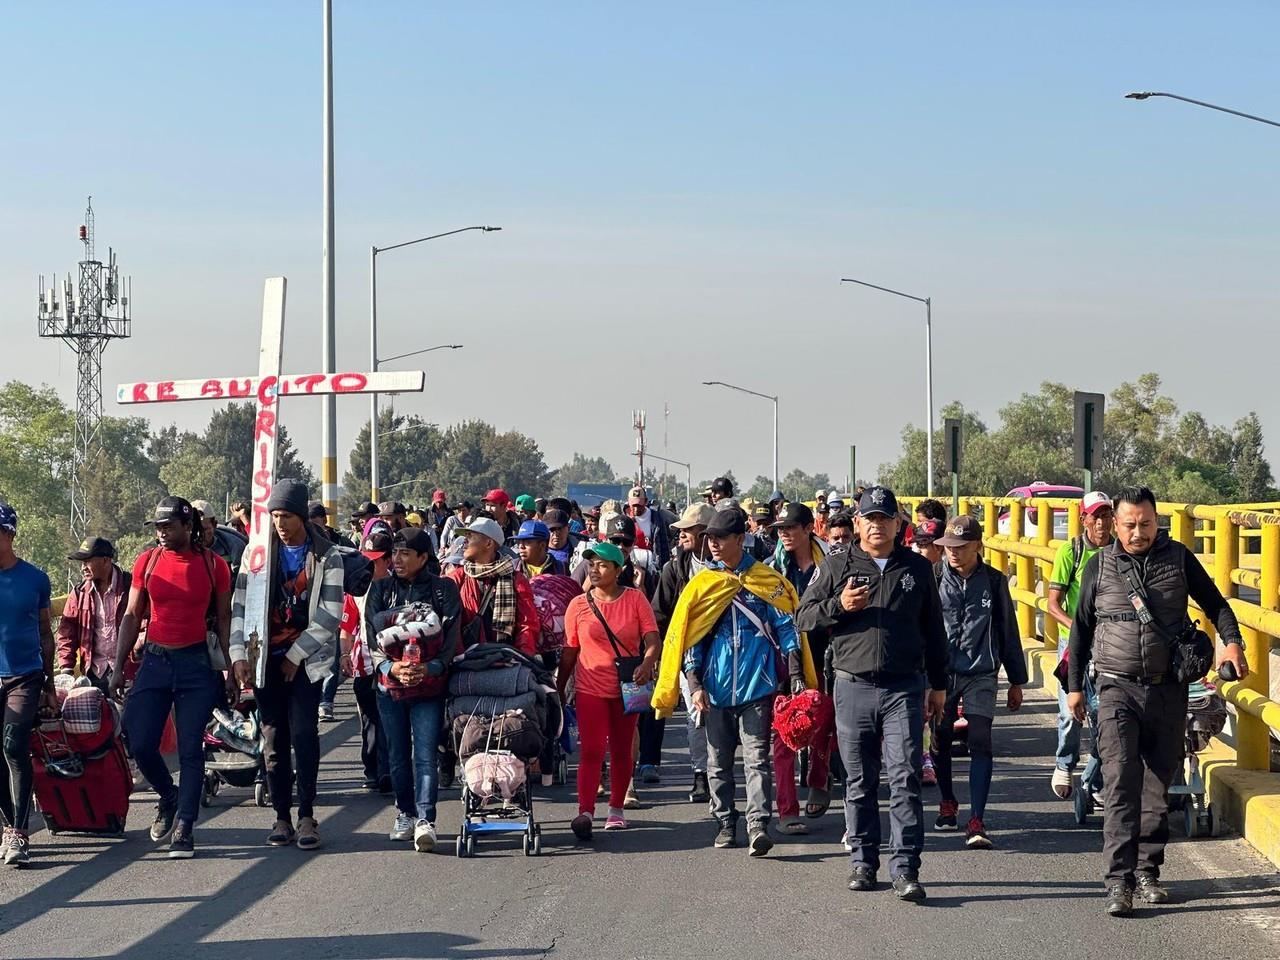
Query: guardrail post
[[1025, 571], [991, 527], [1044, 538], [1253, 736], [1182, 527], [1074, 526]]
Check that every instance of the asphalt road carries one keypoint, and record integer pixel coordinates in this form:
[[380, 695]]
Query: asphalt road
[[658, 890]]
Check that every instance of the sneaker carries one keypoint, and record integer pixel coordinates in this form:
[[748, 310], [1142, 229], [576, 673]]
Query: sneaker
[[1061, 781], [16, 848], [166, 810], [181, 845], [4, 841], [615, 822], [1149, 889], [581, 826], [370, 784], [402, 829], [862, 879], [947, 811], [759, 841], [908, 888], [727, 837], [424, 836], [1119, 900], [975, 835], [649, 774], [928, 776], [631, 801], [326, 713], [282, 834], [700, 792], [308, 833]]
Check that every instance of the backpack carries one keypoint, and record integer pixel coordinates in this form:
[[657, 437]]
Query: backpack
[[551, 596], [357, 569]]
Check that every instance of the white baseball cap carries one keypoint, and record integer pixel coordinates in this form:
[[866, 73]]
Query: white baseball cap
[[1095, 501], [488, 527]]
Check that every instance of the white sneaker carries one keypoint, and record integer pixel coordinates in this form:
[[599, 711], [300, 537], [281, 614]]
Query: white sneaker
[[403, 827], [424, 836]]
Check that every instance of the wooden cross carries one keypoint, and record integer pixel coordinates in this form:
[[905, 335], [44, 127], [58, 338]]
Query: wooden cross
[[265, 390]]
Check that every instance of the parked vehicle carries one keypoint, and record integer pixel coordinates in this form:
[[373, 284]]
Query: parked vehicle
[[1031, 518]]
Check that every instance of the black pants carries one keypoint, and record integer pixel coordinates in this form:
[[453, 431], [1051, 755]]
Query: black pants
[[1141, 742], [290, 726], [373, 742], [652, 730], [19, 701]]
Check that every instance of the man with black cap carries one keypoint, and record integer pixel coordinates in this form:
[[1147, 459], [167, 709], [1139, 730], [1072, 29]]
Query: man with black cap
[[394, 513], [226, 542], [318, 514], [305, 605], [889, 645], [91, 617], [983, 632], [721, 489], [183, 592], [762, 517], [561, 540]]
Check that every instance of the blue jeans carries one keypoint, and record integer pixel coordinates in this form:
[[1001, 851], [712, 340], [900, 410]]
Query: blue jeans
[[335, 678], [1068, 753], [878, 724], [182, 681], [412, 728]]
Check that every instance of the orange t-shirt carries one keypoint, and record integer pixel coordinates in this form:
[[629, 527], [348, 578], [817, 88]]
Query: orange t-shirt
[[630, 617]]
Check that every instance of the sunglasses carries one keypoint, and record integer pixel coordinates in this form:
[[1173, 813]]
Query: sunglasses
[[621, 541]]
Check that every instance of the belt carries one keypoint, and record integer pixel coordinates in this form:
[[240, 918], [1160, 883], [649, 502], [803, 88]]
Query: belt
[[872, 676], [1153, 681], [162, 651]]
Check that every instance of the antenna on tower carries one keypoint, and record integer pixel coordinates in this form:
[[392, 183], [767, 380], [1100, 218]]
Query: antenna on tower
[[637, 422], [89, 316]]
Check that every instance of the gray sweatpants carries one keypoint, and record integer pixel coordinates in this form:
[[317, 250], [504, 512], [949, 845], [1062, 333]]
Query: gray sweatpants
[[748, 724]]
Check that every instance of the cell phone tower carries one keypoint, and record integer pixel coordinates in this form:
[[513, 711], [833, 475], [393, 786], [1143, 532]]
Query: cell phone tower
[[86, 318]]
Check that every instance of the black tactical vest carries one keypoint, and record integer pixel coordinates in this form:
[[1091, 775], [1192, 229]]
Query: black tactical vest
[[1121, 643]]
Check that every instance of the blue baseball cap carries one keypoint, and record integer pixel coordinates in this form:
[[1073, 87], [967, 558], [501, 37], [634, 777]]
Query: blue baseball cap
[[8, 518], [532, 530]]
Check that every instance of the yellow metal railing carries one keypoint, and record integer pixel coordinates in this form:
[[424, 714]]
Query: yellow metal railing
[[1239, 545]]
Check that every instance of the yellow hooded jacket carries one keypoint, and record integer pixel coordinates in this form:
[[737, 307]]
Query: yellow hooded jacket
[[702, 602]]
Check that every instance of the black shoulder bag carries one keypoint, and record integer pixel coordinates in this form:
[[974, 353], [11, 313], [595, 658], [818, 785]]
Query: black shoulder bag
[[636, 697], [1190, 653]]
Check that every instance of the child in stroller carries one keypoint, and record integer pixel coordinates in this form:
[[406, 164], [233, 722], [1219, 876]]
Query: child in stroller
[[233, 753]]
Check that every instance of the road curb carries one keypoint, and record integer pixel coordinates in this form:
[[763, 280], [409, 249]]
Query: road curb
[[1248, 801]]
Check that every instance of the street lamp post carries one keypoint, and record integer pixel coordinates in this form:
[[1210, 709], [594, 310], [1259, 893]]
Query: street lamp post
[[373, 338], [765, 396], [374, 472], [1199, 103], [928, 372], [688, 473]]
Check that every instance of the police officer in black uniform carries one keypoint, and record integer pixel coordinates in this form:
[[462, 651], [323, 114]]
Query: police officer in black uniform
[[1132, 605], [888, 645]]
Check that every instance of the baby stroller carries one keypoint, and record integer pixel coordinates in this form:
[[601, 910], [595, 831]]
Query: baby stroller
[[501, 710], [1088, 795], [1206, 716], [233, 752]]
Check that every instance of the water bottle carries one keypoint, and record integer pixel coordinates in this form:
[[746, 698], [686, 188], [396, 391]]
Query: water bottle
[[412, 653]]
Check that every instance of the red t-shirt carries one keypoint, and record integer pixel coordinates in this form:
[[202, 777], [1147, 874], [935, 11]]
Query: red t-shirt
[[179, 590], [630, 617]]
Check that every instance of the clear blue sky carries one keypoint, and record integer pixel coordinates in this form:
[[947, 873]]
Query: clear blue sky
[[680, 186]]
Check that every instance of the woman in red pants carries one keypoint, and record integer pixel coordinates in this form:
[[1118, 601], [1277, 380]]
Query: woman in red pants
[[607, 622]]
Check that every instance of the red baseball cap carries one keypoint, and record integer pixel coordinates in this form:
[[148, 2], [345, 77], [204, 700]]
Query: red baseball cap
[[438, 496], [496, 495]]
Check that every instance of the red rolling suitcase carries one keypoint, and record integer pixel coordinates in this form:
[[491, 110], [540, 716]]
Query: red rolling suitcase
[[82, 780]]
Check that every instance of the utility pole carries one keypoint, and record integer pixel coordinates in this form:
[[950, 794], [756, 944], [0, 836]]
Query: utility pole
[[328, 336], [89, 315], [637, 423]]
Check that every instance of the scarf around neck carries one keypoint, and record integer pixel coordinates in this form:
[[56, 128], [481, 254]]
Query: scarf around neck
[[502, 574]]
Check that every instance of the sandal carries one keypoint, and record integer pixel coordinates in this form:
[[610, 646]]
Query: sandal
[[793, 825], [631, 801], [308, 835], [282, 834], [1062, 783], [818, 804]]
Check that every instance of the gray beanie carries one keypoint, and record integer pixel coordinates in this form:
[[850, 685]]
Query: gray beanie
[[289, 495]]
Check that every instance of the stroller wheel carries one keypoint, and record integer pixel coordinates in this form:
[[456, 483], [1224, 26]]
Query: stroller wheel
[[471, 845], [1190, 822], [461, 847], [1083, 806], [260, 795], [537, 842], [562, 772]]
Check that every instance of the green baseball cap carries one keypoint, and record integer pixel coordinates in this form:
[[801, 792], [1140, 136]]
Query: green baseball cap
[[526, 502], [606, 551]]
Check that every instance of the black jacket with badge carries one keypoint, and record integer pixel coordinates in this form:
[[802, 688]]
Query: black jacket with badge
[[899, 633], [982, 627]]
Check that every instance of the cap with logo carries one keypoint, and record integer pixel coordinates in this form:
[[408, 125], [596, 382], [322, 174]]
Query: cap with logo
[[173, 510], [205, 508], [377, 544], [762, 513], [412, 538], [366, 509], [94, 547], [526, 503], [961, 530], [8, 517], [622, 527], [488, 527], [605, 551], [695, 515], [497, 495], [532, 530], [555, 518], [794, 515], [392, 508], [722, 486], [877, 500], [727, 523], [1095, 501], [637, 495]]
